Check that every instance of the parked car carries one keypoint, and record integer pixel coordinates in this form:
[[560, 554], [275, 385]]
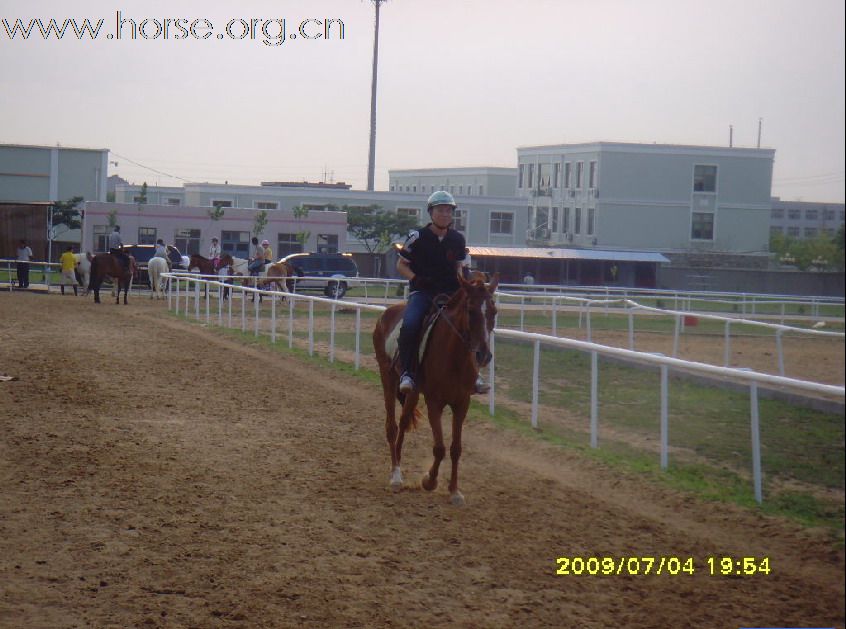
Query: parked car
[[332, 266], [142, 255]]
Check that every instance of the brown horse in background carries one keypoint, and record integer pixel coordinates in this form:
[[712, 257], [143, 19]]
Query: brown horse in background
[[457, 349], [105, 265]]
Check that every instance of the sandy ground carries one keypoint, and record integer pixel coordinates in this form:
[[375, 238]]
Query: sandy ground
[[145, 482]]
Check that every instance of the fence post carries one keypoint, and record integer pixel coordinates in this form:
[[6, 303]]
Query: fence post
[[208, 313], [197, 300], [780, 352], [522, 311], [594, 406], [311, 327], [587, 319], [332, 333], [727, 345], [631, 326], [535, 377], [243, 310], [357, 337], [491, 375], [664, 417], [756, 441], [273, 318], [676, 337], [291, 322], [554, 316]]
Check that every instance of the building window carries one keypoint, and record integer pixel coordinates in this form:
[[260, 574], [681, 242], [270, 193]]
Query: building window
[[776, 231], [267, 205], [146, 235], [101, 237], [556, 170], [414, 188], [553, 225], [591, 219], [520, 176], [828, 214], [327, 243], [565, 222], [173, 201], [220, 203], [812, 215], [409, 211], [794, 215], [531, 175], [452, 189], [828, 232], [482, 191], [704, 178], [592, 175], [458, 223], [702, 227], [544, 176], [811, 232], [580, 167], [567, 175], [235, 243], [777, 212], [187, 241], [286, 244], [392, 188], [502, 223], [577, 223], [460, 189], [793, 232]]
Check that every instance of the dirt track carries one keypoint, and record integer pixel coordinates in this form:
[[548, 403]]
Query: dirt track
[[146, 482]]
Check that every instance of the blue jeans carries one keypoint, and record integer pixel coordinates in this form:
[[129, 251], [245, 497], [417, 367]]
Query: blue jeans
[[418, 305]]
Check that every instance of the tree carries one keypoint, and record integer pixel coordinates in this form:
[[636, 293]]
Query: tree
[[300, 212], [216, 213], [65, 213], [142, 197], [259, 223], [811, 254], [376, 228]]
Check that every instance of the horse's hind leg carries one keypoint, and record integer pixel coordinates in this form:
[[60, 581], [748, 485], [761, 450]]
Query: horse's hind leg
[[430, 480], [458, 414], [406, 418], [389, 394]]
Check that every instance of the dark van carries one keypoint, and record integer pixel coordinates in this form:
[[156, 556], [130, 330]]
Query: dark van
[[332, 266]]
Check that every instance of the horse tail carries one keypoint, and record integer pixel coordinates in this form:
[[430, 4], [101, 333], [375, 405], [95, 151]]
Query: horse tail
[[93, 273]]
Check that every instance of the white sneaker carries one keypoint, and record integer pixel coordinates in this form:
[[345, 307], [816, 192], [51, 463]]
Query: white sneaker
[[406, 384]]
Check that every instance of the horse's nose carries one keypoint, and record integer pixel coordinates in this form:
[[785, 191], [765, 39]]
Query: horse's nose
[[483, 357]]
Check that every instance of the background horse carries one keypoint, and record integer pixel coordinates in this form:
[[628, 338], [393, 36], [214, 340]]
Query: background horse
[[203, 265], [83, 269], [156, 268], [106, 265], [276, 273], [458, 347]]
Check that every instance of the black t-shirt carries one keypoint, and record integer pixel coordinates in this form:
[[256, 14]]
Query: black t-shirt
[[434, 258]]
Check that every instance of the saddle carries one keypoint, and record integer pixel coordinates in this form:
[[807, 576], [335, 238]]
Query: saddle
[[392, 342]]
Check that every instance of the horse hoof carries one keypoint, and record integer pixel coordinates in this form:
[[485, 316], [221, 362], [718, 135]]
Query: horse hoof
[[457, 500], [428, 483], [396, 479]]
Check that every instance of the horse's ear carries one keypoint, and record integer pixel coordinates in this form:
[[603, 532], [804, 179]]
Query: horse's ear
[[493, 283]]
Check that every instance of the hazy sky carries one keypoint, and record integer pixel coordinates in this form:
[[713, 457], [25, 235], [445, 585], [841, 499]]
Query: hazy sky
[[461, 83]]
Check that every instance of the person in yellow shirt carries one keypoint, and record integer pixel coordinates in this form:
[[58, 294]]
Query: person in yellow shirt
[[68, 262], [268, 252]]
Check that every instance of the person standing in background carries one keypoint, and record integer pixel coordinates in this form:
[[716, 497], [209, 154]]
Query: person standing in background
[[24, 256]]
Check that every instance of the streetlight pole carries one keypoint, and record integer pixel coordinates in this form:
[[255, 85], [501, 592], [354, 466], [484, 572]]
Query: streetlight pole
[[372, 155]]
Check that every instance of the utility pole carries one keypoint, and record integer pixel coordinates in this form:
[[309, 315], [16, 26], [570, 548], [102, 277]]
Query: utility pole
[[371, 162], [759, 132]]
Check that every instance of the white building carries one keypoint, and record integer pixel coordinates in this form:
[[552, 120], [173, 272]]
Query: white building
[[479, 181], [666, 198], [51, 173], [804, 220]]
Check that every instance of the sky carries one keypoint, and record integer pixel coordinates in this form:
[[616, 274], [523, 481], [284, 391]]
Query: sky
[[460, 83]]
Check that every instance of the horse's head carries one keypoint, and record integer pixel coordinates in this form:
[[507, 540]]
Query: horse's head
[[481, 311]]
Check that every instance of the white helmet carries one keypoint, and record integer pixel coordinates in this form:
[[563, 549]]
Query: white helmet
[[441, 197]]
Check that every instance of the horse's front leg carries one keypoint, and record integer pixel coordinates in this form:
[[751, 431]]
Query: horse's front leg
[[435, 411], [459, 412]]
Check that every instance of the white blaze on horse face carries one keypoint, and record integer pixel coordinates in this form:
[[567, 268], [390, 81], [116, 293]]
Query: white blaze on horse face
[[485, 333]]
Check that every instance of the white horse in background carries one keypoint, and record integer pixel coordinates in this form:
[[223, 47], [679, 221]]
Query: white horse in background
[[83, 267], [156, 268]]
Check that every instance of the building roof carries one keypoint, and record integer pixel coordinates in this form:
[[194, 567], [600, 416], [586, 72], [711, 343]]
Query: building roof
[[569, 254]]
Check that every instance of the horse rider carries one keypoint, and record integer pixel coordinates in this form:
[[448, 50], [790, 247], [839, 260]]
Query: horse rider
[[116, 247], [268, 252], [161, 252], [256, 265], [431, 259], [214, 253]]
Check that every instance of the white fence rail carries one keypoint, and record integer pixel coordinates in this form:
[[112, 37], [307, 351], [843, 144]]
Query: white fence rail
[[183, 288]]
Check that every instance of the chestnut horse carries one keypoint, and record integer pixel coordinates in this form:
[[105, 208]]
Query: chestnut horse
[[457, 349], [106, 265]]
